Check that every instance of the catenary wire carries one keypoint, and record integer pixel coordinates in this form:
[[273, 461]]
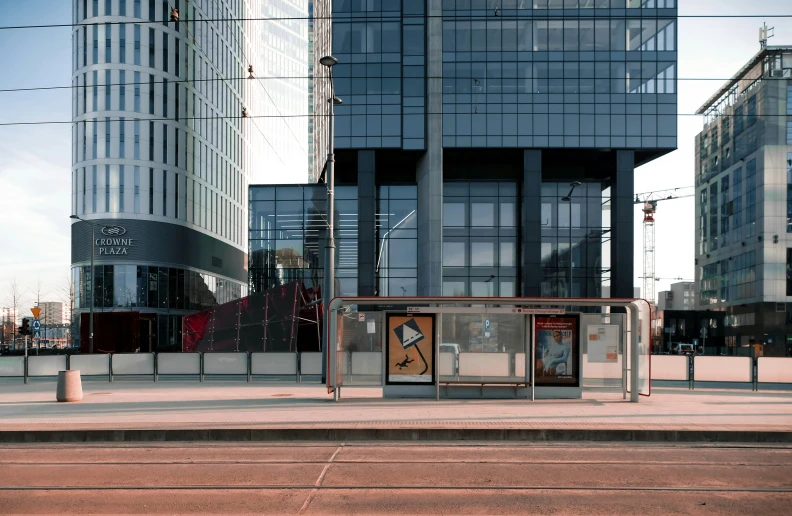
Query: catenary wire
[[249, 62], [336, 115], [401, 17], [280, 115], [227, 81], [308, 77]]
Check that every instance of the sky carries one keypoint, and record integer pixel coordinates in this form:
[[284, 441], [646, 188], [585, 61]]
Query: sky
[[35, 161]]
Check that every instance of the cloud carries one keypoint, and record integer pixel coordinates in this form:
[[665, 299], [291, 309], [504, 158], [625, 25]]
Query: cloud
[[35, 198]]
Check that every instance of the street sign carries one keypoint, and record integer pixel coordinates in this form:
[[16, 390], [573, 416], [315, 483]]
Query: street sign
[[486, 328], [35, 311], [36, 325]]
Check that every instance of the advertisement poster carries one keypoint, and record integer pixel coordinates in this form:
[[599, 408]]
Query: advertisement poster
[[410, 349], [603, 344], [557, 352]]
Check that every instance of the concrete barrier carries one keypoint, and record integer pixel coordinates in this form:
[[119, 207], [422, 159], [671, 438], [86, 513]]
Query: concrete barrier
[[12, 366], [273, 363], [311, 363], [367, 363], [90, 365], [722, 369], [179, 363], [484, 364], [774, 370], [225, 363], [133, 363], [47, 366], [670, 367]]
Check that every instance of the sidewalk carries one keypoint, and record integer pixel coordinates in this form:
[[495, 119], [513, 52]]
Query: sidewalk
[[286, 406]]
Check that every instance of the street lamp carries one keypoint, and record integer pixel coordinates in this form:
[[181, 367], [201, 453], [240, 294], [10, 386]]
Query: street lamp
[[93, 277], [568, 198], [328, 290]]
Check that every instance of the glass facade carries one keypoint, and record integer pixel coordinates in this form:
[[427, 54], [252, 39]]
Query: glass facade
[[480, 239], [482, 249], [593, 73], [381, 74], [557, 77], [743, 207], [136, 286], [397, 240], [574, 234], [287, 233]]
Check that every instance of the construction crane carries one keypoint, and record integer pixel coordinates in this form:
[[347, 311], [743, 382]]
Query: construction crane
[[649, 201]]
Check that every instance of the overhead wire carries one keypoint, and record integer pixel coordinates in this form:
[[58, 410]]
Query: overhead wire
[[280, 115], [222, 78], [336, 115], [308, 77], [402, 16]]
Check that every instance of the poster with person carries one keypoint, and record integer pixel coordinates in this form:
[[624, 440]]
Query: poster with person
[[556, 350]]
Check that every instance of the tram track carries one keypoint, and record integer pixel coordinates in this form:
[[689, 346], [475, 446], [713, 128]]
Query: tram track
[[578, 479]]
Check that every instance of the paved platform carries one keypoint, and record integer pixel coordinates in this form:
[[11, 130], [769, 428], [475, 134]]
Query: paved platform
[[226, 405]]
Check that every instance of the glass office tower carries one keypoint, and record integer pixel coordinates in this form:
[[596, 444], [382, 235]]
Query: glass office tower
[[744, 208], [162, 154], [493, 143]]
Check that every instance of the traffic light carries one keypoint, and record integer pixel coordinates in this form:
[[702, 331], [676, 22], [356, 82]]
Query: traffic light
[[25, 328]]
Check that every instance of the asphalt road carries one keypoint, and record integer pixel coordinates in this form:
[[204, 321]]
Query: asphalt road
[[394, 478]]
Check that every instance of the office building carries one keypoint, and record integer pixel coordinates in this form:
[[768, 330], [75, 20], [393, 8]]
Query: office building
[[168, 131], [51, 313], [744, 204], [682, 296], [464, 131]]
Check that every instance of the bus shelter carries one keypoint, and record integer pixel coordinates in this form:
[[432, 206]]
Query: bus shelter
[[447, 347]]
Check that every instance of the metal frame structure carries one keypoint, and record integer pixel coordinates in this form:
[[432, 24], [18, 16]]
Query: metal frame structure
[[631, 382]]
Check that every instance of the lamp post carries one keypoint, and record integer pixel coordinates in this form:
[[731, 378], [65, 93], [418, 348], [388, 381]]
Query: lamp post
[[93, 287], [328, 290], [568, 198]]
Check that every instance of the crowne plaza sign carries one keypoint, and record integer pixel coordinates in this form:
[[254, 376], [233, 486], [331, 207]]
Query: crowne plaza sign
[[116, 244]]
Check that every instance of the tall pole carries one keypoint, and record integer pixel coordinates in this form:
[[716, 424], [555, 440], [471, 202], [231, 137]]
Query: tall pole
[[93, 287], [93, 292], [568, 198], [329, 278]]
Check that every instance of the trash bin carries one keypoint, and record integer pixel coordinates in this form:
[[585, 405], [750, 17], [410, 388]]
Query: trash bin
[[69, 386]]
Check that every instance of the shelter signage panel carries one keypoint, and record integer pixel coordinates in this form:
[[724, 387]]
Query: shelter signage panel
[[603, 344], [410, 353], [556, 351]]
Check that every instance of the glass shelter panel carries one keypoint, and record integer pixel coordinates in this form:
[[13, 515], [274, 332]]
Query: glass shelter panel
[[483, 348]]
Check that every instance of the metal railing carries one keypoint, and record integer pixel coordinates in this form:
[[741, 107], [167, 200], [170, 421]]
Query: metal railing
[[167, 365], [365, 368]]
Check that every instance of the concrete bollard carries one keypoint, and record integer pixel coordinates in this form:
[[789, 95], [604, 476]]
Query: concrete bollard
[[69, 386]]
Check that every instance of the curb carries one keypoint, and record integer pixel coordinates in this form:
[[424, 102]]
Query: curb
[[398, 434]]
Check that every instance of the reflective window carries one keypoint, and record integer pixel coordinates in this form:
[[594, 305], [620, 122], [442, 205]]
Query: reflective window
[[454, 214], [482, 254], [482, 214], [454, 254], [489, 238]]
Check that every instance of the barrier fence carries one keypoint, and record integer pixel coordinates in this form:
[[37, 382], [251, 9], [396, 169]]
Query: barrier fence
[[366, 367]]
